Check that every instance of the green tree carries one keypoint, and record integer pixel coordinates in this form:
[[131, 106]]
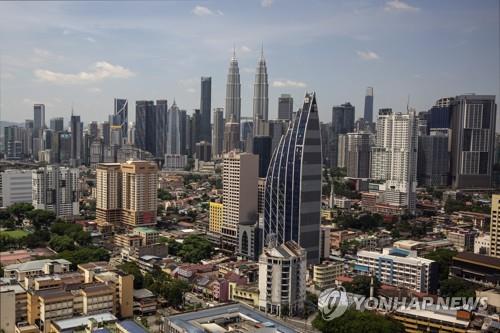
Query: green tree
[[454, 287], [61, 243], [195, 248], [20, 210], [84, 255], [443, 257], [41, 218], [133, 269], [359, 322]]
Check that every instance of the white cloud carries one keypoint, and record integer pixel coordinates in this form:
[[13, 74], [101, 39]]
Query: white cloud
[[100, 70], [41, 52], [42, 55], [288, 83], [95, 90], [266, 3], [397, 5], [368, 55], [202, 11], [90, 39]]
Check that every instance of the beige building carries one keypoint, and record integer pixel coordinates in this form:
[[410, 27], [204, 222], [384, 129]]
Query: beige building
[[495, 226], [127, 194], [324, 274], [36, 268], [215, 217], [239, 177], [8, 311]]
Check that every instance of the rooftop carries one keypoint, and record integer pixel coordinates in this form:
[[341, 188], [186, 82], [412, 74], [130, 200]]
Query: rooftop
[[35, 265], [131, 327], [75, 322], [478, 259]]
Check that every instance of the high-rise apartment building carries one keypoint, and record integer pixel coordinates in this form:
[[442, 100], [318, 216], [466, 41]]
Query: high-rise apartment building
[[121, 115], [233, 92], [56, 188], [433, 159], [14, 137], [293, 184], [495, 226], [282, 279], [108, 194], [285, 107], [239, 178], [39, 119], [368, 112], [218, 133], [260, 98], [231, 135], [358, 154], [342, 123], [394, 158], [15, 187], [215, 217], [205, 109], [473, 119]]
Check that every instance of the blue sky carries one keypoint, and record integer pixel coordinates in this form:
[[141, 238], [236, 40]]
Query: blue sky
[[86, 53]]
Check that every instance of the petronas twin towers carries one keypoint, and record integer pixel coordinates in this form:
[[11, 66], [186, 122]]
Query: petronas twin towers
[[233, 100]]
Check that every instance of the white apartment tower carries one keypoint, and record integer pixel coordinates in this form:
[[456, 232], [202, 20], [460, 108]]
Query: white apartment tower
[[239, 177], [394, 158], [56, 188], [15, 186]]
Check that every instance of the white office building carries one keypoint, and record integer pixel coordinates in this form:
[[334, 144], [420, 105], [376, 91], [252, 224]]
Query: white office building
[[399, 267], [15, 186], [56, 188], [282, 279]]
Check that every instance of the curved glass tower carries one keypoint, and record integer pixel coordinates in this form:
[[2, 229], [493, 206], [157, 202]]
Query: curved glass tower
[[293, 184]]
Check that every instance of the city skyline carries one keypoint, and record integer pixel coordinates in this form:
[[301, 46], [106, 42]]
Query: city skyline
[[67, 56]]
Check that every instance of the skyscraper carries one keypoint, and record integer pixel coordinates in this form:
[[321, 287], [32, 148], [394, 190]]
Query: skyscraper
[[260, 97], [145, 119], [473, 119], [121, 115], [495, 226], [433, 159], [233, 91], [293, 184], [368, 113], [358, 154], [262, 148], [239, 178], [231, 135], [174, 130], [394, 158], [39, 119], [57, 124], [285, 107], [161, 115], [76, 127], [342, 123], [218, 132], [205, 109]]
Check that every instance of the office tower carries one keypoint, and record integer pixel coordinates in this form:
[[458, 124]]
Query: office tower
[[161, 112], [15, 186], [342, 123], [231, 135], [260, 97], [444, 102], [246, 139], [439, 115], [394, 158], [249, 240], [433, 159], [39, 119], [28, 138], [203, 151], [358, 154], [115, 138], [145, 119], [282, 279], [285, 107], [127, 192], [233, 92], [194, 125], [76, 127], [341, 151], [121, 115], [183, 132], [56, 189], [174, 130], [262, 148], [239, 178], [368, 112], [277, 128], [106, 132], [93, 130], [473, 119], [422, 123], [57, 124], [261, 188], [47, 138], [293, 184], [326, 142], [14, 142], [218, 132], [131, 134], [495, 226], [205, 109]]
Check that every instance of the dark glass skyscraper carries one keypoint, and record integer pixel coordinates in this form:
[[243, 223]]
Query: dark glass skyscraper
[[145, 135], [57, 124], [205, 107], [293, 184], [121, 115], [368, 114], [285, 107], [161, 111], [76, 140], [342, 123], [39, 119], [262, 147]]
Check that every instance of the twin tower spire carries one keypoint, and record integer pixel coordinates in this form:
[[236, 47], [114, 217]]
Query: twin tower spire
[[260, 95]]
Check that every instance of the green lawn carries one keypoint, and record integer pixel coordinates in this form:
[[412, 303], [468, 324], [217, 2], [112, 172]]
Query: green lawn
[[14, 233]]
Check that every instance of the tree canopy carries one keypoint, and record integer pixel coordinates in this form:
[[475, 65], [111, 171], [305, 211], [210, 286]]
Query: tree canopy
[[359, 322]]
